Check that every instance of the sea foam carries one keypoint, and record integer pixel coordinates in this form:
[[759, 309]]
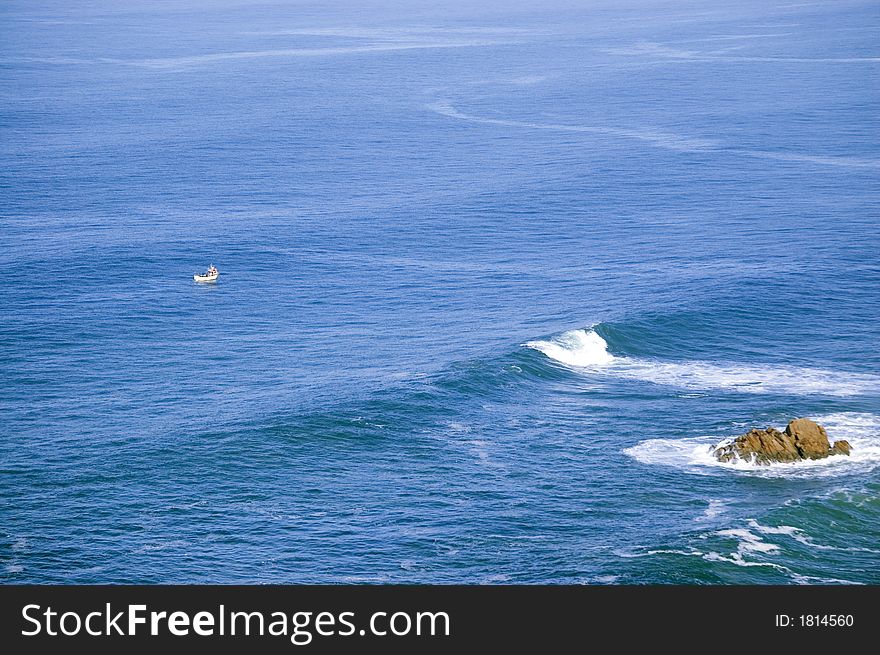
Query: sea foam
[[587, 352], [694, 454]]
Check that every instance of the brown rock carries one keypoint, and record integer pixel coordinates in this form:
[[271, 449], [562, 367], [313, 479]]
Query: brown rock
[[809, 438], [802, 439], [841, 447]]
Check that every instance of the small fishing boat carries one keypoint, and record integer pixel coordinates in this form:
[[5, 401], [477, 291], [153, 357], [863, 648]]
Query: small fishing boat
[[210, 275]]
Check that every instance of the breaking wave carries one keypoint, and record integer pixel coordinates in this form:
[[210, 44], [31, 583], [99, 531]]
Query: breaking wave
[[587, 352], [580, 348]]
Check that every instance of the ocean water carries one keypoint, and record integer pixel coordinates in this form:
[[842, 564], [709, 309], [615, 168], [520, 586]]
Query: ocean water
[[494, 278]]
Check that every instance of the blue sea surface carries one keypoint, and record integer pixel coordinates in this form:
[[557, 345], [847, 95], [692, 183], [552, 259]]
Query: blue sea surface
[[494, 278]]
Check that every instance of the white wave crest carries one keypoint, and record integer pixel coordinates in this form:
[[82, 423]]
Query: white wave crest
[[581, 348], [800, 536], [715, 509], [748, 541], [751, 550], [694, 455], [587, 351]]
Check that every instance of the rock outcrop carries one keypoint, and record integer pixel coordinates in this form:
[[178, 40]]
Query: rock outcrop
[[802, 439]]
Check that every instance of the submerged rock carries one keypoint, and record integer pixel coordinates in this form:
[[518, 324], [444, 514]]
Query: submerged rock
[[802, 439]]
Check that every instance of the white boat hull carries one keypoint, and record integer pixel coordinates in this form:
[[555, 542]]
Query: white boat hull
[[206, 278]]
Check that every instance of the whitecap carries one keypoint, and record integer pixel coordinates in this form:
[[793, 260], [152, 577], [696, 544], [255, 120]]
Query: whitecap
[[587, 352], [581, 348], [624, 554], [716, 508], [736, 558], [739, 560], [802, 537], [748, 542], [780, 529], [812, 579]]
